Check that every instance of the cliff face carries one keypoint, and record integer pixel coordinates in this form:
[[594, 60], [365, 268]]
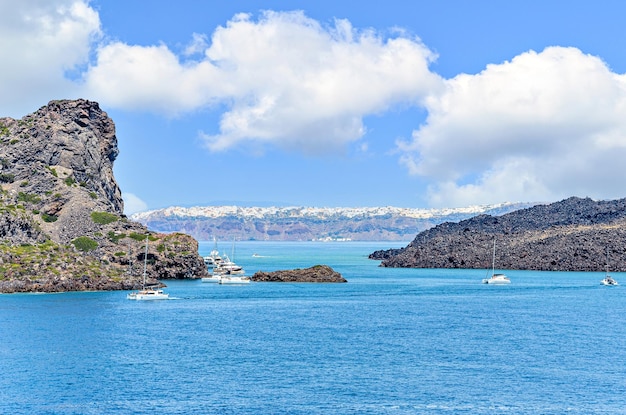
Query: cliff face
[[308, 223], [61, 211], [571, 235]]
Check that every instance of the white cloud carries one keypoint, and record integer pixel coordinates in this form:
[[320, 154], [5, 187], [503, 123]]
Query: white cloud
[[40, 41], [285, 80], [540, 127], [197, 45], [133, 204], [148, 78]]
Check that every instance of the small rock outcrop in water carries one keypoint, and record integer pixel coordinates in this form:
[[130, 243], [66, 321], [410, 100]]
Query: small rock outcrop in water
[[62, 226], [317, 273], [571, 235]]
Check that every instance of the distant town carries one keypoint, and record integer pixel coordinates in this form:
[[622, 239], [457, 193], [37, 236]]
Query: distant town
[[309, 223]]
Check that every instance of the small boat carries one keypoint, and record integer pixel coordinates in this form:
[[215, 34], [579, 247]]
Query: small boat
[[212, 260], [228, 267], [147, 292], [608, 280], [496, 278]]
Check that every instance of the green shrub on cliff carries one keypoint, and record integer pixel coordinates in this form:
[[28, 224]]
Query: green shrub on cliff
[[85, 244], [137, 236], [27, 197], [115, 237], [103, 218], [7, 178], [49, 218]]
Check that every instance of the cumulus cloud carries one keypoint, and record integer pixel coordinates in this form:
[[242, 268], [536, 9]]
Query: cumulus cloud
[[41, 41], [284, 79], [133, 204], [540, 127]]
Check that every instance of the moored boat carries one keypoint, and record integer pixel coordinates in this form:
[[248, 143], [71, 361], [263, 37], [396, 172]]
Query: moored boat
[[228, 267], [608, 280], [215, 278], [213, 259], [234, 279], [496, 279], [147, 292]]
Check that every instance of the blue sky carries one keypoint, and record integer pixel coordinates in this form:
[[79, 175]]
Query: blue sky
[[425, 104]]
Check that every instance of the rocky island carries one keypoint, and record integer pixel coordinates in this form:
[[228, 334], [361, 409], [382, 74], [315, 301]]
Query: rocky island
[[571, 235], [317, 273], [62, 226]]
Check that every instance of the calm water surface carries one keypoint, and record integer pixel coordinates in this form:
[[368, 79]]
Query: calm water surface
[[390, 341]]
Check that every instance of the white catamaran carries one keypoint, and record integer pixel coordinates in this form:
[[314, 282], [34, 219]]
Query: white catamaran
[[147, 292], [496, 278]]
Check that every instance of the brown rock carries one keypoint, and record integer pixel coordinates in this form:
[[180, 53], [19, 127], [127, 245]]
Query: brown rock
[[317, 273]]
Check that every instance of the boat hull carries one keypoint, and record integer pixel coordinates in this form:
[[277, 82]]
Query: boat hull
[[234, 280], [497, 279], [145, 295]]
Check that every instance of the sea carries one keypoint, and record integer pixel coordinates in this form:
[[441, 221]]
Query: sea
[[389, 341]]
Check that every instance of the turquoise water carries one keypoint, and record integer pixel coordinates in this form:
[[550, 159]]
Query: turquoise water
[[390, 341]]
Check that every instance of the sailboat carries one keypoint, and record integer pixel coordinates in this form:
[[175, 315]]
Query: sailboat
[[496, 278], [150, 292], [608, 280]]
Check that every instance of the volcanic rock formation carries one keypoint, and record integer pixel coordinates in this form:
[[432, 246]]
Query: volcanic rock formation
[[61, 211], [570, 235], [317, 273]]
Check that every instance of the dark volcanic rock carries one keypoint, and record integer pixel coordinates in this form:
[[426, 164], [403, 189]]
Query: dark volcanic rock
[[317, 273], [61, 211], [385, 253], [570, 235]]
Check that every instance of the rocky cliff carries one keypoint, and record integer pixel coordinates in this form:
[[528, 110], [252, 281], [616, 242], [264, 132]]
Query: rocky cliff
[[570, 235], [62, 225]]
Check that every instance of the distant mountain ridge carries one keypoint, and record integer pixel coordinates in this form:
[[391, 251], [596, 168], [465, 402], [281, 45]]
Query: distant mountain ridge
[[308, 223], [570, 235]]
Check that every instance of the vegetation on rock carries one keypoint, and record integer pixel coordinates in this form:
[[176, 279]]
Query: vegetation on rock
[[60, 236], [85, 243], [103, 218]]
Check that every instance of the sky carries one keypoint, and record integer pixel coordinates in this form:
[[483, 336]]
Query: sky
[[422, 104]]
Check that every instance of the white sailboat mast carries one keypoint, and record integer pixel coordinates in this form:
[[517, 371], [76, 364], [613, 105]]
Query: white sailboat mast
[[145, 263]]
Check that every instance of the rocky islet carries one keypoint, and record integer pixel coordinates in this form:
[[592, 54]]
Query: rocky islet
[[62, 225]]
